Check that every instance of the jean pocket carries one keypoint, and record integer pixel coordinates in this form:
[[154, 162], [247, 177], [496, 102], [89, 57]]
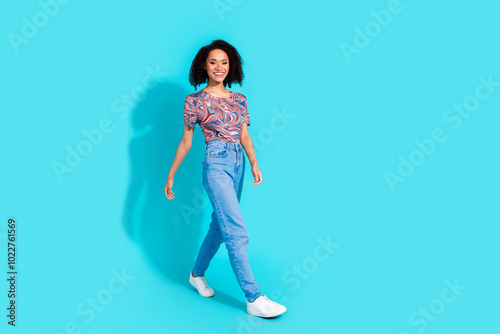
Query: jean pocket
[[216, 152]]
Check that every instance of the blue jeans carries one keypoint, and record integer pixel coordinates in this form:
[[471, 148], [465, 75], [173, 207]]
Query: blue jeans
[[223, 172]]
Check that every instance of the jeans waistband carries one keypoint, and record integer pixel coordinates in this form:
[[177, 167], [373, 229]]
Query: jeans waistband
[[225, 144]]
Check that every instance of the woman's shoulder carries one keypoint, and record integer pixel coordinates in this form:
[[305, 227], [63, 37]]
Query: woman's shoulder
[[240, 96], [197, 94]]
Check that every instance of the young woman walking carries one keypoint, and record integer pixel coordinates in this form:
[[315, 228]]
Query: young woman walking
[[223, 118]]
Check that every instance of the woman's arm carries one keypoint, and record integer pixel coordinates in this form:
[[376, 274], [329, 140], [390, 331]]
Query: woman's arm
[[247, 144], [180, 154]]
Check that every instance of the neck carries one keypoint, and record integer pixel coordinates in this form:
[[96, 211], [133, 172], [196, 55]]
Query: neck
[[216, 87]]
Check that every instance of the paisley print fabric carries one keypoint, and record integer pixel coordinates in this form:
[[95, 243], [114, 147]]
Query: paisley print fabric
[[219, 118]]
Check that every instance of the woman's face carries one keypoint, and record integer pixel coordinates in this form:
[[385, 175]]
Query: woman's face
[[217, 66]]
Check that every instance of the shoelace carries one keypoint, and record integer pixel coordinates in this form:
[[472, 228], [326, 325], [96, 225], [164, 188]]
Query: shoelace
[[204, 282], [268, 303]]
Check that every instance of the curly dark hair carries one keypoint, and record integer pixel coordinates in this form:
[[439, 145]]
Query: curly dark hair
[[198, 75]]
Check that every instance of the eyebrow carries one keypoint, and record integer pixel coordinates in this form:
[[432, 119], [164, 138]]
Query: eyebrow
[[216, 59]]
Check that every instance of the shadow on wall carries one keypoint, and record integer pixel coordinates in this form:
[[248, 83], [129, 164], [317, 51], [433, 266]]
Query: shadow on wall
[[168, 231]]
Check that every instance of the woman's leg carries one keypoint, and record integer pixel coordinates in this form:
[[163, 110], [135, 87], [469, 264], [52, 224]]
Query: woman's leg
[[208, 248], [223, 184], [213, 239]]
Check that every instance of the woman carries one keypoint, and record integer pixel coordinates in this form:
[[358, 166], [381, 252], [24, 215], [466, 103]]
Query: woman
[[223, 118]]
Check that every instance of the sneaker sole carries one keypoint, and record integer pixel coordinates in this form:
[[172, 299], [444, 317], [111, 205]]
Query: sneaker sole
[[194, 286], [272, 315]]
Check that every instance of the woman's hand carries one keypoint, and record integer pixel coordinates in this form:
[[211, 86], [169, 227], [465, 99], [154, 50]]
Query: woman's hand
[[257, 175], [168, 188], [247, 144]]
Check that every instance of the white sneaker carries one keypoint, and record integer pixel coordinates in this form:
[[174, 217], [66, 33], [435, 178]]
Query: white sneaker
[[200, 284], [265, 308]]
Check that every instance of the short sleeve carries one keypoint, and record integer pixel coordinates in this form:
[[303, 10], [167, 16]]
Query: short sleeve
[[245, 116], [190, 113]]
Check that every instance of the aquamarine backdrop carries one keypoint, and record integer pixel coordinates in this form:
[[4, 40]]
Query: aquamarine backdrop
[[375, 125]]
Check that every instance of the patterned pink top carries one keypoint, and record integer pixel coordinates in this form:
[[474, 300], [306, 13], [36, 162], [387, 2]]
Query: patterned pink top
[[219, 118]]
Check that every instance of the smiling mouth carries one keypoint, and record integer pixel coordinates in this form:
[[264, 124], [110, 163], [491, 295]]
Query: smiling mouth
[[218, 74]]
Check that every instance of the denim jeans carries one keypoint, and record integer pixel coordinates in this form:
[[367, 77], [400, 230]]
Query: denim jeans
[[223, 173]]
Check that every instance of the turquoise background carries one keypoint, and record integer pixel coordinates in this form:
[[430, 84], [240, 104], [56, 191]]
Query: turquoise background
[[324, 167]]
